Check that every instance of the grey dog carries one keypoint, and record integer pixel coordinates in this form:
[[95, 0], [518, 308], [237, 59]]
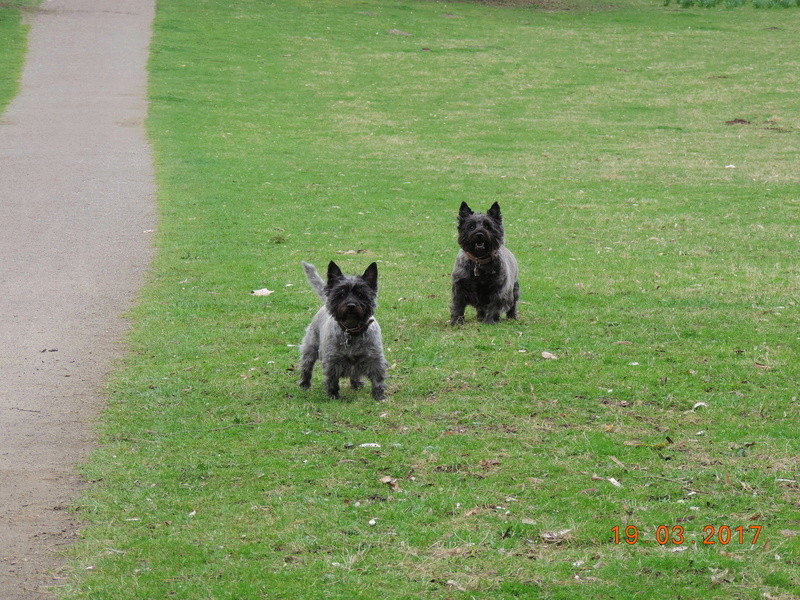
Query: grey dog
[[344, 334], [485, 274]]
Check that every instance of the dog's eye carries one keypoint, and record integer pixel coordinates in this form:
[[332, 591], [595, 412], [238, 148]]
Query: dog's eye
[[472, 225]]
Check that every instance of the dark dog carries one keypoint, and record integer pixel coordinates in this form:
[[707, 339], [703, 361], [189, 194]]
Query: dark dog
[[344, 334], [485, 274]]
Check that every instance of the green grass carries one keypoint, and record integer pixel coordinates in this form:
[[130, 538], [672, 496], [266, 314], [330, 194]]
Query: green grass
[[12, 49], [735, 3], [645, 159]]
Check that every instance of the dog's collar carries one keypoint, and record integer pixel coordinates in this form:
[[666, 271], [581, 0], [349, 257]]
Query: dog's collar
[[481, 261], [356, 330]]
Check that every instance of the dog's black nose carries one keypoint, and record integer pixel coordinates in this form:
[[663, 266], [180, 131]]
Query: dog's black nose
[[479, 236]]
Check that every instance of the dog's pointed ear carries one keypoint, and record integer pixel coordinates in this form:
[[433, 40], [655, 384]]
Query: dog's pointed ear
[[465, 211], [371, 276], [334, 273], [494, 212]]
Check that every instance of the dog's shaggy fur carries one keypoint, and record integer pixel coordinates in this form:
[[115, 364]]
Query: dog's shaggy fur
[[485, 274], [344, 334]]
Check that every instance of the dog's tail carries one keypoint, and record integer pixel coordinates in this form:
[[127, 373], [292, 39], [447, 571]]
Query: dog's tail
[[314, 279]]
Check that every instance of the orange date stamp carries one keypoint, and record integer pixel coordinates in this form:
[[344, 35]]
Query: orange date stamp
[[676, 535]]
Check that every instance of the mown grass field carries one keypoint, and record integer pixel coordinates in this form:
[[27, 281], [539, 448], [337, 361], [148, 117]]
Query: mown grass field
[[646, 162], [12, 48]]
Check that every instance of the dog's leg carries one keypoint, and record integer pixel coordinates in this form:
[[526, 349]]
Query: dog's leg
[[379, 390], [332, 387], [332, 376], [492, 312], [457, 309], [378, 379], [512, 312], [309, 358], [492, 317]]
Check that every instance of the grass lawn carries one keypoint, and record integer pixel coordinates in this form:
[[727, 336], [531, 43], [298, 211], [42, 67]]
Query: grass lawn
[[12, 48], [646, 161]]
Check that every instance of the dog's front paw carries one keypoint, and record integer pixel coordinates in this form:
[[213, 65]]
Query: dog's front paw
[[304, 384], [458, 320]]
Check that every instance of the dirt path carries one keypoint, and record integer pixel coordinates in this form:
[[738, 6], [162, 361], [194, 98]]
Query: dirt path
[[76, 201]]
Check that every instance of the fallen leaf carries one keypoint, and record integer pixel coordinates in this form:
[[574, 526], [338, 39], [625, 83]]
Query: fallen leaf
[[391, 482], [398, 32], [262, 292], [789, 532], [555, 537], [549, 355], [370, 445]]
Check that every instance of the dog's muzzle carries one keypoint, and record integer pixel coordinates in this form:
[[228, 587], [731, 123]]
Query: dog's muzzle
[[351, 318], [479, 242]]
